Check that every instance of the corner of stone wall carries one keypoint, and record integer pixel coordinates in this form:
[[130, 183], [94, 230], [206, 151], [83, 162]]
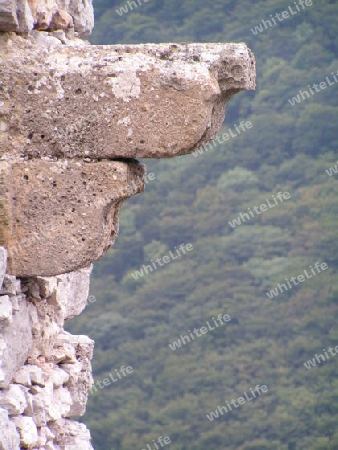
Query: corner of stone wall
[[45, 372]]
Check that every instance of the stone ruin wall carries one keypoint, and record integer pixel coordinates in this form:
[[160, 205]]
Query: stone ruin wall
[[73, 119]]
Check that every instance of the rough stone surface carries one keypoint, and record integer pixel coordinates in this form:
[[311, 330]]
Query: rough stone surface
[[13, 399], [46, 378], [147, 101], [27, 430], [22, 16], [79, 203], [25, 17], [9, 437], [72, 434], [72, 119], [3, 261], [6, 311], [15, 339], [8, 17]]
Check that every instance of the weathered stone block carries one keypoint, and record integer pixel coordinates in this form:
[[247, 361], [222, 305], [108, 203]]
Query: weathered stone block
[[71, 434], [25, 17], [13, 399], [147, 101], [8, 17], [62, 215], [72, 292], [28, 431]]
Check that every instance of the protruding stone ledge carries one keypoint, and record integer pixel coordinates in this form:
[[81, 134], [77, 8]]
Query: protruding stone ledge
[[137, 101], [62, 215]]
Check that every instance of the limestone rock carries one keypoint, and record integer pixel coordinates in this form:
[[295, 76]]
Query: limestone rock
[[8, 17], [74, 286], [80, 378], [28, 431], [59, 377], [72, 119], [15, 15], [29, 375], [83, 15], [49, 404], [3, 262], [22, 376], [61, 14], [16, 339], [9, 437], [25, 17], [71, 435], [147, 101], [63, 215], [43, 12], [6, 311], [11, 285], [13, 399], [61, 20]]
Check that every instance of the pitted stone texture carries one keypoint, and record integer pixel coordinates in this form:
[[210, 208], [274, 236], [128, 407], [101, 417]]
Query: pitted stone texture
[[63, 215], [147, 101]]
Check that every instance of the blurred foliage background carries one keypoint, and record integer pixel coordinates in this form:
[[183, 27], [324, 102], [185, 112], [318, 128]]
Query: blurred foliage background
[[192, 199]]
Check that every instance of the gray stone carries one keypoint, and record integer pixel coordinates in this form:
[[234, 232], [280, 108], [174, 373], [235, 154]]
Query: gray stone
[[6, 311], [22, 376], [9, 437], [61, 35], [13, 399], [3, 264], [29, 375], [79, 203], [8, 17], [72, 292], [25, 17], [11, 286], [59, 377], [83, 16], [49, 405], [27, 430], [80, 378], [126, 100], [47, 286], [44, 39], [75, 434], [15, 343]]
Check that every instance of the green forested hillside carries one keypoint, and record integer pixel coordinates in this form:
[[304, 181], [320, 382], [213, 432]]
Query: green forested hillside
[[192, 200]]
